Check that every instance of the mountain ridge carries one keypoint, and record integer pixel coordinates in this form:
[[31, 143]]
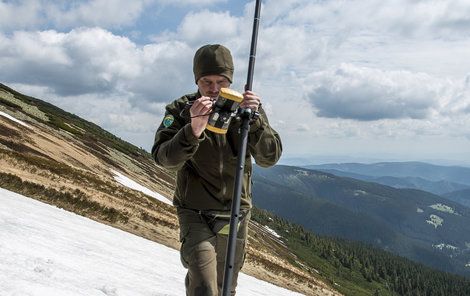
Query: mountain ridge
[[409, 222], [431, 172], [460, 196], [441, 187]]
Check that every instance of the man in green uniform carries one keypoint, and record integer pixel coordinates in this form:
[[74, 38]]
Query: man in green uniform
[[205, 163]]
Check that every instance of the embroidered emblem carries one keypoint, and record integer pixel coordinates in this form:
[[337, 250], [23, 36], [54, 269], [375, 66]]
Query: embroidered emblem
[[168, 120]]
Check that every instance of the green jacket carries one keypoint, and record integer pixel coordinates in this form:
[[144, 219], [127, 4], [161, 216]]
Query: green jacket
[[206, 166]]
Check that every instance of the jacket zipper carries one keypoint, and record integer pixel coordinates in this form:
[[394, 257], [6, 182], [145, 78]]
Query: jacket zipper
[[221, 164]]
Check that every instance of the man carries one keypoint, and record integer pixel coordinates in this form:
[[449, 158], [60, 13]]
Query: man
[[205, 163]]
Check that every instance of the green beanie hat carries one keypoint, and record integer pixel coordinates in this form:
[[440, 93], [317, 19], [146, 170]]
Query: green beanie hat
[[213, 59]]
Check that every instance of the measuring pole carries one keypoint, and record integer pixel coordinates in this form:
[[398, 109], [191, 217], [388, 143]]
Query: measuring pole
[[246, 116]]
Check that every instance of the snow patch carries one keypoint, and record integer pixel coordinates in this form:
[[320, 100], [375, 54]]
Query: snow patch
[[419, 210], [272, 231], [301, 172], [443, 208], [443, 246], [49, 251], [467, 265], [435, 220], [359, 192], [136, 186], [14, 119]]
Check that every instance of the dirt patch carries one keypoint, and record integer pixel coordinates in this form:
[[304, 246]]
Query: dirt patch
[[7, 132]]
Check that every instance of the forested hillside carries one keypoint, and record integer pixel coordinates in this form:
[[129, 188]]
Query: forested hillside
[[359, 269], [415, 224]]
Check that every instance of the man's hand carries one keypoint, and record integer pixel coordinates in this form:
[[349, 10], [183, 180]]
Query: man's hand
[[200, 111], [250, 100]]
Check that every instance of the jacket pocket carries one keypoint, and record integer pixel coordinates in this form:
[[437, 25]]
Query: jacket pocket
[[182, 185]]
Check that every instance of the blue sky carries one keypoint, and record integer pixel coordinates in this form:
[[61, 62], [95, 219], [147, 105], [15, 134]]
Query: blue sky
[[341, 80]]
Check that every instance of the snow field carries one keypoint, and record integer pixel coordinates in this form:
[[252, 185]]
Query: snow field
[[51, 252]]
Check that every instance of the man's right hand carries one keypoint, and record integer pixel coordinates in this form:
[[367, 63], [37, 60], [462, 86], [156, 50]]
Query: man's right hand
[[200, 112]]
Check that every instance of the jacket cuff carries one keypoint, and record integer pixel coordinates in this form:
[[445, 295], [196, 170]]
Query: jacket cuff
[[190, 137], [256, 125]]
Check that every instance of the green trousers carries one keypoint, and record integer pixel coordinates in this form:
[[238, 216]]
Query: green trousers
[[203, 249]]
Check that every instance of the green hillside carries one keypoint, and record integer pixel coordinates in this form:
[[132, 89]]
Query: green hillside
[[437, 187], [419, 225], [358, 269], [460, 196], [57, 118]]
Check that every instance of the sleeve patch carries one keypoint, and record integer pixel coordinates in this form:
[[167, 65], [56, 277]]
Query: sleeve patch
[[168, 120]]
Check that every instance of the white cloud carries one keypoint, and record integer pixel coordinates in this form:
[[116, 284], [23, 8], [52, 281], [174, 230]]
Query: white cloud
[[19, 14], [93, 60], [363, 93], [459, 104], [303, 127], [191, 2], [81, 61], [64, 14], [403, 17], [207, 27], [166, 72], [328, 71], [283, 49], [104, 13], [390, 34], [68, 14]]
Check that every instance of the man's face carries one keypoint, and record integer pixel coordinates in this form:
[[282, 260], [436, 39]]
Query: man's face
[[210, 85]]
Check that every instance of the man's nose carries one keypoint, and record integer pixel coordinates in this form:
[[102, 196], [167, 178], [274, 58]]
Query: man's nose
[[214, 87]]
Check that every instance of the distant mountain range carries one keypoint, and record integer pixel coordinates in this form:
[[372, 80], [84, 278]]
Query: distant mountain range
[[436, 187], [416, 224], [417, 175]]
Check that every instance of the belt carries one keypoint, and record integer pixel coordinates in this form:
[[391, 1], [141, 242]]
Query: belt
[[219, 221]]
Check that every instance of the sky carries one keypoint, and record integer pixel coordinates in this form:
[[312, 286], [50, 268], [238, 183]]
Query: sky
[[47, 251], [341, 81]]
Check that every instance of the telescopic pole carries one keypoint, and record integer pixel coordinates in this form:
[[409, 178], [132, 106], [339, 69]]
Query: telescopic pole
[[254, 40], [245, 115]]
